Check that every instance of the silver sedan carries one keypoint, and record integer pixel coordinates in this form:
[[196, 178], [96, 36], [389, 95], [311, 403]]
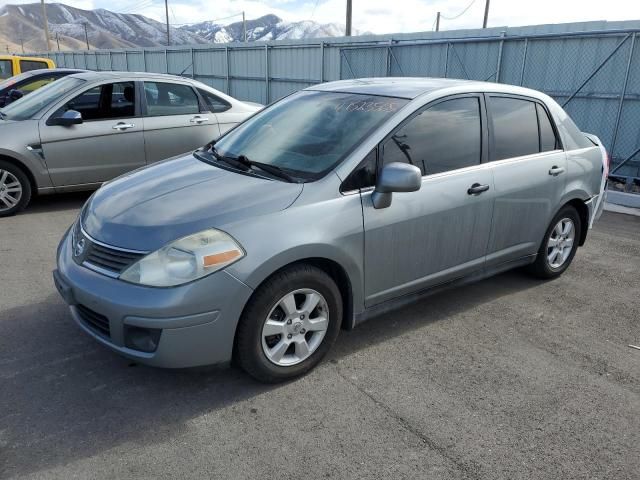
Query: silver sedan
[[88, 128]]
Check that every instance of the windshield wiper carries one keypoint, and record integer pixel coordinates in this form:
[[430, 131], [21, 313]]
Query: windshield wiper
[[3, 116], [272, 169]]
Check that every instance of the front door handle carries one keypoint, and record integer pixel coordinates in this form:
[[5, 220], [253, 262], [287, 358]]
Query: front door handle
[[123, 126], [477, 189], [198, 119], [555, 171]]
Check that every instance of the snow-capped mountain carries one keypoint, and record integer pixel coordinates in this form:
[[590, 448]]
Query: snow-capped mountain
[[269, 27], [21, 26], [105, 29]]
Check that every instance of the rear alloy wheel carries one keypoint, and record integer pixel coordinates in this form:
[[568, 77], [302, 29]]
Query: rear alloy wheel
[[559, 245], [15, 189], [289, 324]]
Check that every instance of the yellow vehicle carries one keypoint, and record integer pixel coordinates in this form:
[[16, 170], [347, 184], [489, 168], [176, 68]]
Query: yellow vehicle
[[11, 65]]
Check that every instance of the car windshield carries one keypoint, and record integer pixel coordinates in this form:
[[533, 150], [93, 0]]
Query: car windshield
[[308, 133], [29, 105]]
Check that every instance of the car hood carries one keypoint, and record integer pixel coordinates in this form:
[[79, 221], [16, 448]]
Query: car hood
[[150, 207]]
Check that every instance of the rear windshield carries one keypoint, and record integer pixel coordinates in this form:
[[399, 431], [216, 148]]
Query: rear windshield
[[309, 133], [33, 103]]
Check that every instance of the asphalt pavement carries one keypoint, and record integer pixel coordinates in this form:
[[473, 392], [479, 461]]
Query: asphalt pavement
[[509, 378]]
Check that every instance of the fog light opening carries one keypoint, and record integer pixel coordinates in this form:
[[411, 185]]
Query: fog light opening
[[142, 339]]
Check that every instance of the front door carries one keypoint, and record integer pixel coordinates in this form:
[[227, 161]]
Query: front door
[[108, 143], [174, 123], [529, 168], [440, 232]]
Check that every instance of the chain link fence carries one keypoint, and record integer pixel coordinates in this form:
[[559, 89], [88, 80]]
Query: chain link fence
[[594, 74]]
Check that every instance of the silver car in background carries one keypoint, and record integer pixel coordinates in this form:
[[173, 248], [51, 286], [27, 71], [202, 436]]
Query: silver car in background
[[333, 205], [88, 128]]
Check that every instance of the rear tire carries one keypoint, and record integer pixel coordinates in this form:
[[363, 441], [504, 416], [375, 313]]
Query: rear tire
[[15, 189], [289, 324], [559, 244]]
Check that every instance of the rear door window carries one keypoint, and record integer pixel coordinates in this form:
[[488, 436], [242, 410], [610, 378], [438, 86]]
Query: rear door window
[[28, 65], [548, 139], [515, 128], [444, 137], [170, 99]]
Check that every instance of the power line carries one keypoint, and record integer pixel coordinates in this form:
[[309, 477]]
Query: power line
[[313, 12], [461, 13]]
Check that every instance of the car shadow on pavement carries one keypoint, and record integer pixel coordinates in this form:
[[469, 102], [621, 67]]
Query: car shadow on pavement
[[57, 202], [64, 398]]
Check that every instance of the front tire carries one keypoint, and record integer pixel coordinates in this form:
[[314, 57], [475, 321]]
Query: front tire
[[559, 245], [15, 189], [289, 324]]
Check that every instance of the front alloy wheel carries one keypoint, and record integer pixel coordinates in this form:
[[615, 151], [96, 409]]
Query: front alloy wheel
[[289, 324]]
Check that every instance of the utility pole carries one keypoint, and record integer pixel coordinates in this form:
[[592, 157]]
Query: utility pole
[[86, 35], [349, 19], [22, 44], [244, 28], [166, 8], [438, 22], [58, 41], [46, 25], [486, 14]]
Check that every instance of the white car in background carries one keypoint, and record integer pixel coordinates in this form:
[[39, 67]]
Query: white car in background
[[88, 128]]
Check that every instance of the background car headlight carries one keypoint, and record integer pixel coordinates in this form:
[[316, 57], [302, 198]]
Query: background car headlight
[[185, 260]]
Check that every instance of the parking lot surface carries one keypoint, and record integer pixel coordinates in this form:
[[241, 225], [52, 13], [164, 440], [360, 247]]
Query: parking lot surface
[[507, 378]]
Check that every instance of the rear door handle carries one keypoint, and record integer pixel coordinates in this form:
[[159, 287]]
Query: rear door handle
[[123, 126], [198, 119], [555, 171], [477, 189]]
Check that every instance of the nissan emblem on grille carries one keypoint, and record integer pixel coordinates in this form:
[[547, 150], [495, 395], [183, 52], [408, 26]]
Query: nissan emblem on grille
[[79, 248]]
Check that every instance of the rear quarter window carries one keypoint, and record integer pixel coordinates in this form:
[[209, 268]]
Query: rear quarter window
[[28, 65]]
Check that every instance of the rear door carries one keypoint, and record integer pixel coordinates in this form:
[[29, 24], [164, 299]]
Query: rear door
[[108, 143], [175, 122], [529, 170], [440, 232]]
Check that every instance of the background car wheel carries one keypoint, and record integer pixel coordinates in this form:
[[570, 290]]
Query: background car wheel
[[15, 189], [559, 245], [289, 324]]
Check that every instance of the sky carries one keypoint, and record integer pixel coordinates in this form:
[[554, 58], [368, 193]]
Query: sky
[[376, 16]]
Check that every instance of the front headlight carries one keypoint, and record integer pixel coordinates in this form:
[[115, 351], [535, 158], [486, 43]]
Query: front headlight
[[185, 260]]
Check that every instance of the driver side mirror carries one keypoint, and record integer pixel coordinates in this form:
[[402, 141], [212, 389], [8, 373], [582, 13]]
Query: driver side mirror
[[395, 177], [14, 95], [67, 119]]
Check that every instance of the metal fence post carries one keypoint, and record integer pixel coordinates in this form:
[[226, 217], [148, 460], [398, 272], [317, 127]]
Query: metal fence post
[[166, 60], [193, 64], [126, 60], [144, 59], [502, 34], [228, 77], [266, 74], [622, 95], [524, 60], [389, 58], [321, 62], [446, 61], [110, 60]]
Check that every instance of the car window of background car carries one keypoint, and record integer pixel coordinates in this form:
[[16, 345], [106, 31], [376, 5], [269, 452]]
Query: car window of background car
[[32, 85], [28, 65], [112, 100], [309, 132], [515, 128], [170, 99], [548, 139], [444, 137], [6, 69], [215, 104], [28, 106]]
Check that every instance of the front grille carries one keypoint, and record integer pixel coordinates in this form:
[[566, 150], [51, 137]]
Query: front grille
[[108, 258], [96, 322]]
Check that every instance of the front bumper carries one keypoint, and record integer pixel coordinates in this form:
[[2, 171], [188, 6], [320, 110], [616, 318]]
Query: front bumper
[[197, 320]]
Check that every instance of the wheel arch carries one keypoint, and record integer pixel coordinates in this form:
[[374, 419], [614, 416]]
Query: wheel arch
[[14, 161], [583, 212]]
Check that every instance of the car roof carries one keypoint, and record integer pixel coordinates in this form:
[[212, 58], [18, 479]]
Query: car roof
[[405, 87], [107, 75], [45, 71]]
